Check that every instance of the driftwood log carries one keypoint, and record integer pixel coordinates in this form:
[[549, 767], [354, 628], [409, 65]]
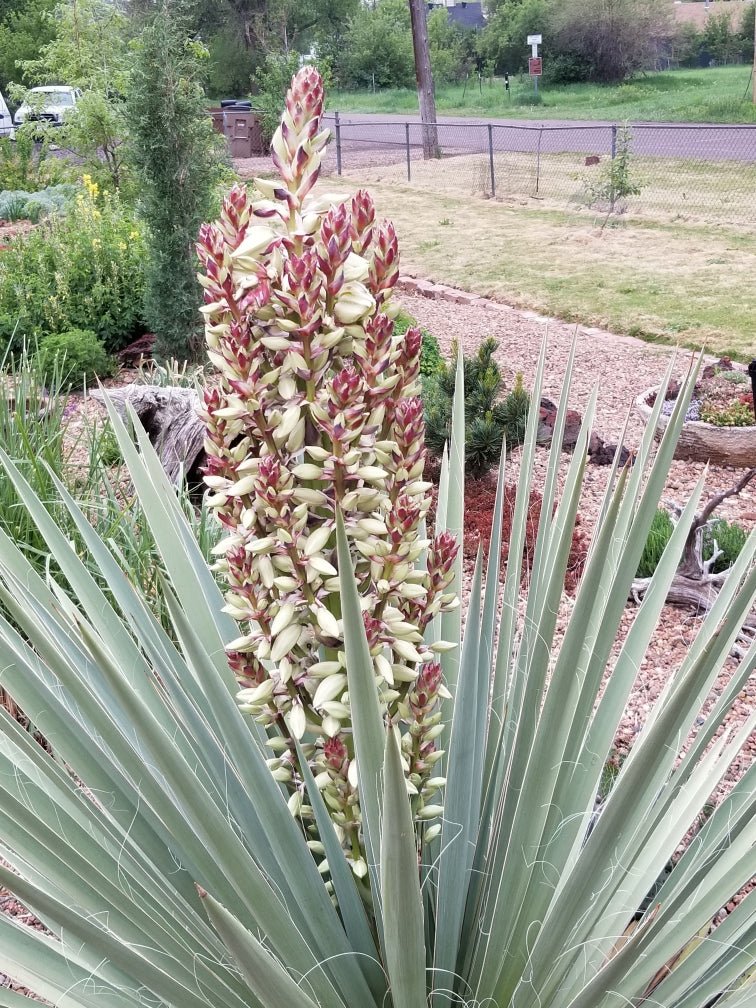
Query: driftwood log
[[169, 417]]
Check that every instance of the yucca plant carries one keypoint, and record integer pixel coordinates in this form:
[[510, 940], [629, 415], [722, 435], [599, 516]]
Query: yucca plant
[[162, 853]]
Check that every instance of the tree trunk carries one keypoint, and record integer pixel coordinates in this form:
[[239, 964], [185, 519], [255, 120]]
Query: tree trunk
[[425, 92]]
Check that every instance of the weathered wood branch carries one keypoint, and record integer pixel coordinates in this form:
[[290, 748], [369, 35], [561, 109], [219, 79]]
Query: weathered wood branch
[[169, 417], [694, 586]]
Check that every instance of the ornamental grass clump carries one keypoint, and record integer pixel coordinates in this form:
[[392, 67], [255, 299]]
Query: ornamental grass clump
[[317, 413], [173, 868]]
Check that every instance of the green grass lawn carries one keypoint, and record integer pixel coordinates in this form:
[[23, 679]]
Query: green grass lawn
[[717, 94], [681, 282]]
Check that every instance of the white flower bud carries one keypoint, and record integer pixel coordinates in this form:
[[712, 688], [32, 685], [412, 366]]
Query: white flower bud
[[296, 720], [326, 621], [329, 689], [284, 642], [316, 541], [307, 471], [430, 812], [337, 710], [256, 694], [331, 726], [295, 803], [283, 617]]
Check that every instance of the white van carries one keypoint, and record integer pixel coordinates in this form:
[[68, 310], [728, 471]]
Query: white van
[[6, 123]]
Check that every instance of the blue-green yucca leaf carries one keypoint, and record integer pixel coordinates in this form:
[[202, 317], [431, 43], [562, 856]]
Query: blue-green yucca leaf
[[171, 795], [121, 964], [628, 848], [400, 887], [584, 753], [367, 721], [33, 958], [262, 808], [192, 580], [523, 810], [122, 769], [453, 509], [265, 976], [502, 701], [462, 797]]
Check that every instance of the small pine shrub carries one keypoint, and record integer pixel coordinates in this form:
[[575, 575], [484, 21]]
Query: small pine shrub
[[73, 359], [490, 413], [730, 538], [658, 537]]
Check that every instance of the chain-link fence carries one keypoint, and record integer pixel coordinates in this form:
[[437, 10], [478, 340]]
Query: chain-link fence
[[705, 172]]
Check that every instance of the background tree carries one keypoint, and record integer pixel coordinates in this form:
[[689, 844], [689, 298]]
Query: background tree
[[24, 28], [504, 40], [175, 156], [89, 50], [378, 47], [329, 34], [614, 38], [450, 46]]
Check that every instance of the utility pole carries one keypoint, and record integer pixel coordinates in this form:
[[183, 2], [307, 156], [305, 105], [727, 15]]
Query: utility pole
[[425, 93]]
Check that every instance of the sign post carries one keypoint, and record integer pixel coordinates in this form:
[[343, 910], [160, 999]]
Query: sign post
[[535, 63]]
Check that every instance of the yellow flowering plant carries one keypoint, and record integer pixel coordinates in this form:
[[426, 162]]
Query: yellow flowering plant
[[82, 269]]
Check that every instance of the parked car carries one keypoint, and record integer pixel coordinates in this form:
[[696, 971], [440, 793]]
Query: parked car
[[6, 123], [51, 103]]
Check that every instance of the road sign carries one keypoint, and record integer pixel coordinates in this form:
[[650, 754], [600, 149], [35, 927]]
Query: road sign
[[534, 40], [534, 66]]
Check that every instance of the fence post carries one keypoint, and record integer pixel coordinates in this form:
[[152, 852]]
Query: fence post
[[337, 131], [406, 136], [614, 140], [491, 159], [538, 158]]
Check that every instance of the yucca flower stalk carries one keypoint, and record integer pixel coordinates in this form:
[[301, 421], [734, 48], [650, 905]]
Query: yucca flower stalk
[[317, 413], [162, 855]]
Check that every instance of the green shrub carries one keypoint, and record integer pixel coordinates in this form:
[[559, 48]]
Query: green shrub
[[84, 270], [76, 357], [658, 537], [730, 538], [18, 204], [489, 413], [24, 167], [430, 353]]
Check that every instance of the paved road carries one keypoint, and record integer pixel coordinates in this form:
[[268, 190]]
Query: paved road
[[679, 140]]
